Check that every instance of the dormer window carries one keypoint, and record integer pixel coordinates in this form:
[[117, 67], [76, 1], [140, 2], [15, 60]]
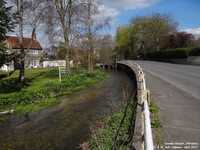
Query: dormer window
[[34, 52]]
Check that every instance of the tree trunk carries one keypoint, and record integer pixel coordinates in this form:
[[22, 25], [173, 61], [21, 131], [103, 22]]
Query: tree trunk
[[89, 61], [67, 59], [91, 51], [67, 34], [90, 38], [22, 56]]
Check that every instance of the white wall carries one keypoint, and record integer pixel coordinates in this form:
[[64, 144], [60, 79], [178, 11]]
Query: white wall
[[7, 68], [56, 63]]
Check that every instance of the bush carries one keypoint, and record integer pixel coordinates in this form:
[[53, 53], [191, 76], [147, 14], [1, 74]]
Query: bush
[[195, 51], [177, 53], [169, 54], [3, 76]]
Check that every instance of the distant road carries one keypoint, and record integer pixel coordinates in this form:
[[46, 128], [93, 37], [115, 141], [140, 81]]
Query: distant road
[[176, 90], [185, 77]]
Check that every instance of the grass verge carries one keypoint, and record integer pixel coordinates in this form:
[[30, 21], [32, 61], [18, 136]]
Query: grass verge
[[42, 88], [117, 131], [155, 120], [156, 124]]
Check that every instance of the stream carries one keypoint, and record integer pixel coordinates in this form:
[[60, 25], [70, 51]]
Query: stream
[[67, 125]]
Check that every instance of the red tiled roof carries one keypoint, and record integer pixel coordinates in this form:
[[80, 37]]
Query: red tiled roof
[[14, 43]]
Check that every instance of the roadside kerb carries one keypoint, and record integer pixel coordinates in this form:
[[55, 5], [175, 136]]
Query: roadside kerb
[[142, 138]]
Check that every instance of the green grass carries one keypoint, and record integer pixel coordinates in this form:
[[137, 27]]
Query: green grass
[[155, 120], [156, 124], [42, 88], [117, 132], [25, 109]]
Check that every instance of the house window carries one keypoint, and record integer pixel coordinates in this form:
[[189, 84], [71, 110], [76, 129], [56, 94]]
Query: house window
[[34, 52], [34, 63]]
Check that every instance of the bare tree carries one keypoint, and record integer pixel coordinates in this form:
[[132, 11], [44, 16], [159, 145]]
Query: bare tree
[[106, 48], [91, 22], [22, 56], [67, 20], [32, 12], [34, 16], [60, 18]]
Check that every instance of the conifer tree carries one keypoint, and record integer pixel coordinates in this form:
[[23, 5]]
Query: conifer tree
[[7, 24]]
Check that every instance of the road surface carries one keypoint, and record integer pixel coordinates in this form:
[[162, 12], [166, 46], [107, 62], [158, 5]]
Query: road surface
[[176, 90]]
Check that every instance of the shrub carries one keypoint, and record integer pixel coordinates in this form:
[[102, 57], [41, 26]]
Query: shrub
[[168, 54], [177, 53], [195, 51], [3, 76]]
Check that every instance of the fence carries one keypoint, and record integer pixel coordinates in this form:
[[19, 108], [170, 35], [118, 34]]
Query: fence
[[142, 138]]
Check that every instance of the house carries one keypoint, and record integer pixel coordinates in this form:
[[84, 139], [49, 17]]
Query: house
[[79, 58], [33, 56]]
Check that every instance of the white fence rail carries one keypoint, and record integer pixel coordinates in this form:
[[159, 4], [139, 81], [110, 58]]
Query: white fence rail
[[143, 122]]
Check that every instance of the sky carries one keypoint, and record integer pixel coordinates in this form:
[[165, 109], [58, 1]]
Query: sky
[[185, 12]]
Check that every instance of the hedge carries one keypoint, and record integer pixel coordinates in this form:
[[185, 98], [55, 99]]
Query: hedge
[[195, 51], [167, 54], [174, 53]]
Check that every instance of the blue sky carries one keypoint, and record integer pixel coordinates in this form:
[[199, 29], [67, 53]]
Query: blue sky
[[185, 12]]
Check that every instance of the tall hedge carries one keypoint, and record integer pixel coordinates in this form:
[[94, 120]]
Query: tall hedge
[[169, 54], [195, 51]]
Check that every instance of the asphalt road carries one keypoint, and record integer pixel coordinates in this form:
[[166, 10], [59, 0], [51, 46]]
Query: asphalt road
[[176, 90]]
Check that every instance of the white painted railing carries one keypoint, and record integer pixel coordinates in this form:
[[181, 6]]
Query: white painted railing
[[143, 126]]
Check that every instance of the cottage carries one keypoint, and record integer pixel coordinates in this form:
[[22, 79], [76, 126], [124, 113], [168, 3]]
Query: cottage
[[79, 58], [33, 56]]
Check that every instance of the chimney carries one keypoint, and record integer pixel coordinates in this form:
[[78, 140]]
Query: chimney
[[34, 36]]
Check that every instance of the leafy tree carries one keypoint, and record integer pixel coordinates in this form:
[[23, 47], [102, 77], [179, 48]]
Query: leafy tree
[[185, 39], [7, 24], [126, 42], [5, 57], [143, 34], [152, 28], [197, 42], [178, 40]]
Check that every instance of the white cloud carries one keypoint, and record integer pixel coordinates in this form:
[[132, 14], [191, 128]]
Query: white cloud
[[193, 31], [112, 8], [128, 4], [108, 12]]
